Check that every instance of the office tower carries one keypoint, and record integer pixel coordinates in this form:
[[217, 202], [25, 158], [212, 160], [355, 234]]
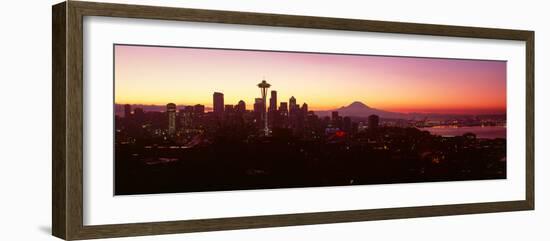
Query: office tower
[[292, 103], [305, 109], [283, 109], [258, 109], [186, 116], [273, 101], [292, 107], [127, 111], [199, 110], [240, 107], [218, 103], [373, 121], [334, 116], [347, 124], [263, 87], [171, 111], [283, 114], [229, 109]]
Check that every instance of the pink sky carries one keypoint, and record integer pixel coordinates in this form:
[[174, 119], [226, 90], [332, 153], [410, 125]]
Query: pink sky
[[188, 76]]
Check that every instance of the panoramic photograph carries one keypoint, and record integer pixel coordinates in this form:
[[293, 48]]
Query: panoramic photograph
[[190, 119]]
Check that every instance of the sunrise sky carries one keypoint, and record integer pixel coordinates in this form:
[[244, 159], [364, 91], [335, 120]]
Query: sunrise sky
[[188, 76]]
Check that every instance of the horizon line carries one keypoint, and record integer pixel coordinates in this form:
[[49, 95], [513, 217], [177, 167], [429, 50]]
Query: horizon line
[[489, 111]]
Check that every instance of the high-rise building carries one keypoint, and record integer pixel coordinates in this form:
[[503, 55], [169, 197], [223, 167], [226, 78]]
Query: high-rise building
[[199, 110], [283, 109], [186, 116], [305, 108], [127, 111], [273, 101], [171, 111], [229, 109], [373, 121], [335, 116], [218, 103], [292, 107], [283, 114], [336, 120], [292, 103], [258, 109], [240, 107], [347, 124]]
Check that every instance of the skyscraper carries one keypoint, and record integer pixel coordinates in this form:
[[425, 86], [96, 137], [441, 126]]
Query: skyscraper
[[292, 103], [199, 110], [283, 109], [186, 116], [258, 109], [171, 111], [336, 120], [347, 124], [335, 116], [218, 103], [240, 107], [373, 121], [229, 109], [198, 115], [305, 108], [283, 114], [273, 101]]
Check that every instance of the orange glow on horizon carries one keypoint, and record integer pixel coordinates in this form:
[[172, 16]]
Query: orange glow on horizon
[[188, 76]]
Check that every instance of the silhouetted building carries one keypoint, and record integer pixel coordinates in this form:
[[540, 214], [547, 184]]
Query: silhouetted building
[[127, 111], [240, 107], [171, 111], [293, 108], [283, 114], [346, 126], [259, 109], [229, 109], [373, 121], [469, 136], [304, 108], [292, 103], [273, 114], [354, 127], [186, 116], [273, 101], [283, 109], [334, 116], [199, 110], [139, 114], [229, 114], [218, 103]]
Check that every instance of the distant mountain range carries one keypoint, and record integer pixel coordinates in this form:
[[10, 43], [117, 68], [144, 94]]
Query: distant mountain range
[[359, 109]]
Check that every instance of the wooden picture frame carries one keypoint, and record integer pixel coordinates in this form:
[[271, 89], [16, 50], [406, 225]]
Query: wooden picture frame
[[67, 159]]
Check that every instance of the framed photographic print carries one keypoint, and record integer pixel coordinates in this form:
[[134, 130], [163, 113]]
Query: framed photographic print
[[171, 120]]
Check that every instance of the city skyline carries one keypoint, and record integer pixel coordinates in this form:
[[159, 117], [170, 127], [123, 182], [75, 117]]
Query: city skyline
[[240, 120], [160, 75]]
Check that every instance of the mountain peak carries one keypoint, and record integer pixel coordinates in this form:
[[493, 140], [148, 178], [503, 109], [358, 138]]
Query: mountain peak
[[357, 104]]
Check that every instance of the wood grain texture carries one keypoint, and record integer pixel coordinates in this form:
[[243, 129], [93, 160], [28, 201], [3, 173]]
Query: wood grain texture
[[67, 217], [59, 192], [530, 120], [74, 121]]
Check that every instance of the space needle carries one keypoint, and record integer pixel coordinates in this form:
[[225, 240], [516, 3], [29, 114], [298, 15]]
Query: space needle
[[264, 86]]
